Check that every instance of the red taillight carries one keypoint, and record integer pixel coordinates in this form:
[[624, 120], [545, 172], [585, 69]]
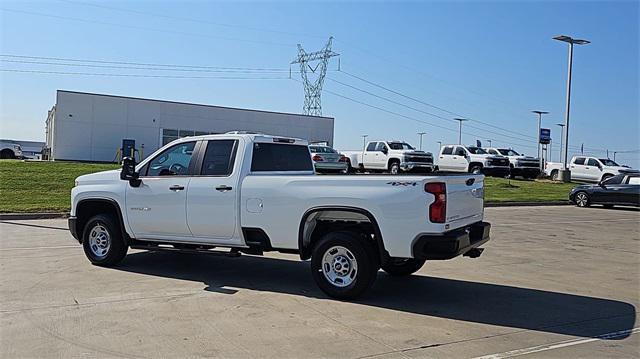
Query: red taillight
[[317, 158], [342, 159], [437, 209]]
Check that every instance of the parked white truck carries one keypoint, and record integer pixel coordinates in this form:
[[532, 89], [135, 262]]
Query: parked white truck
[[391, 157], [255, 193], [586, 168], [520, 165], [470, 159], [10, 149]]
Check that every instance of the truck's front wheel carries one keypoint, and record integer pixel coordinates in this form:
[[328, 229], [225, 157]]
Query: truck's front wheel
[[102, 241], [342, 265], [394, 168], [398, 267]]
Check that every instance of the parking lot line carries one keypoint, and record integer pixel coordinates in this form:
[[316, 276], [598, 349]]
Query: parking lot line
[[562, 344]]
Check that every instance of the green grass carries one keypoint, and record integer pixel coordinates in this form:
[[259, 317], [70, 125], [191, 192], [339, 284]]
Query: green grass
[[503, 190], [40, 186], [46, 186]]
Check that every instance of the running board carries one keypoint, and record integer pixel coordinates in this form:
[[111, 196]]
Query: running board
[[234, 252]]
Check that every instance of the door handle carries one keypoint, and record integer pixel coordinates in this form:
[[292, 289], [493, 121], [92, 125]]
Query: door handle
[[176, 187], [223, 188], [441, 157]]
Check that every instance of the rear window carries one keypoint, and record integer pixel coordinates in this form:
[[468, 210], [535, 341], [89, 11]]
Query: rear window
[[280, 157]]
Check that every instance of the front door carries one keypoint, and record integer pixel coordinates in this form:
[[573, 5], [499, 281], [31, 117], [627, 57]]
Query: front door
[[157, 208], [213, 194]]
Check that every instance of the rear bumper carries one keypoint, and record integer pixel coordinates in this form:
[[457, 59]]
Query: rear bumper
[[72, 221], [330, 166], [451, 244]]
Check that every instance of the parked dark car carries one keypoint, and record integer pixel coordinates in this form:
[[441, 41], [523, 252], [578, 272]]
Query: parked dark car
[[622, 189]]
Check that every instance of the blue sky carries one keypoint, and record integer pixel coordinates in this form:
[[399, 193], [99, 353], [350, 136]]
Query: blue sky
[[492, 62]]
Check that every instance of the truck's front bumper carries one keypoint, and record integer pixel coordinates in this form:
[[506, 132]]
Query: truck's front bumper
[[525, 171], [73, 228], [497, 171], [451, 244], [418, 166]]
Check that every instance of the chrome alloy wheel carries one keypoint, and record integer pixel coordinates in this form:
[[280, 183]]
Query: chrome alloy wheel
[[339, 266], [99, 241], [581, 199]]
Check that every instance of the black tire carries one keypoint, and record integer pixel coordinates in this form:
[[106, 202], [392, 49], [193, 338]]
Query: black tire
[[7, 154], [581, 199], [475, 169], [117, 248], [394, 168], [555, 175], [365, 259], [399, 267]]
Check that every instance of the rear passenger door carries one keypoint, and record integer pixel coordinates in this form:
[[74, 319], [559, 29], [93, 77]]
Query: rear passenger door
[[212, 198], [445, 161], [369, 158], [577, 168]]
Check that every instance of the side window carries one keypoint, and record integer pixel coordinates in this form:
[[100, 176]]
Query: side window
[[381, 146], [592, 162], [280, 157], [579, 161], [614, 180], [460, 151], [219, 158], [448, 150], [493, 152], [174, 161], [372, 146]]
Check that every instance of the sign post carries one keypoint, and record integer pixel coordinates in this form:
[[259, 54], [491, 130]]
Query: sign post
[[544, 139]]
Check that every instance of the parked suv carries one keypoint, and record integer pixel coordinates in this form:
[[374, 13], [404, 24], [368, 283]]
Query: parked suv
[[520, 165], [459, 158]]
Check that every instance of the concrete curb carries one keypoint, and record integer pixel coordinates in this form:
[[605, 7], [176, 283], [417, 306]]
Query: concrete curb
[[527, 204], [25, 216]]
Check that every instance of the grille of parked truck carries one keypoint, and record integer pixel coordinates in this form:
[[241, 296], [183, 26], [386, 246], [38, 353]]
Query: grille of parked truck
[[391, 157], [255, 193]]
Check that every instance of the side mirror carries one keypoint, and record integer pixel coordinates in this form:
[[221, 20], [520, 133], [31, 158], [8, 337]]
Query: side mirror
[[129, 173]]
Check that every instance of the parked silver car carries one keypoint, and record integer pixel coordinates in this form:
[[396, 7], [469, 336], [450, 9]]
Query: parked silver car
[[326, 159]]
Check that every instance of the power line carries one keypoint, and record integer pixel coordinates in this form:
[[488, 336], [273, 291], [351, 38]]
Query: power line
[[143, 28], [141, 63], [142, 75]]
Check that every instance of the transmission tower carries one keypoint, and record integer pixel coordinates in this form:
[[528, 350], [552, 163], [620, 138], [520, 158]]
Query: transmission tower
[[313, 88]]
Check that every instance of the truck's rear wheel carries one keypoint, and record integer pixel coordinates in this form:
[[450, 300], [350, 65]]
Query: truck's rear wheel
[[555, 175], [102, 241], [398, 267], [342, 266]]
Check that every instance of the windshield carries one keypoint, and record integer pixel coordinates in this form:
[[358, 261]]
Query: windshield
[[321, 149], [608, 162], [476, 150], [400, 146], [508, 152]]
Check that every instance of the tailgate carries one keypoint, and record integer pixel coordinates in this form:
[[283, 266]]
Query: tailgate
[[465, 199]]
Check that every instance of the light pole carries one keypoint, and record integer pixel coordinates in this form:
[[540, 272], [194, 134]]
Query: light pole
[[540, 113], [364, 141], [421, 134], [460, 120], [561, 138], [565, 173], [488, 140], [439, 145]]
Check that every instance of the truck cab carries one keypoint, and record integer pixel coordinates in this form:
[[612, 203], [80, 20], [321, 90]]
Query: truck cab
[[471, 159], [593, 169]]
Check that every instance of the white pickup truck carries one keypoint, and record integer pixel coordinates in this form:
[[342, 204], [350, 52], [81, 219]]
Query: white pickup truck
[[391, 157], [10, 149], [526, 166], [470, 159], [586, 168], [254, 193]]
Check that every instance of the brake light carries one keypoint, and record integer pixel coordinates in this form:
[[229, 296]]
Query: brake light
[[317, 158], [342, 158], [437, 209]]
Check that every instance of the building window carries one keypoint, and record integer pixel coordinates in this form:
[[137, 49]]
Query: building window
[[185, 133], [168, 135]]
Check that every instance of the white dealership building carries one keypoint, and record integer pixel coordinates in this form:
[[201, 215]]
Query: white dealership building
[[90, 127]]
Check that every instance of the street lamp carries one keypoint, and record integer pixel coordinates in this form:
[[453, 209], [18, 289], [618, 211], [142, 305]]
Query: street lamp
[[488, 140], [561, 137], [460, 120], [540, 113], [439, 145], [421, 134], [565, 173], [364, 141]]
